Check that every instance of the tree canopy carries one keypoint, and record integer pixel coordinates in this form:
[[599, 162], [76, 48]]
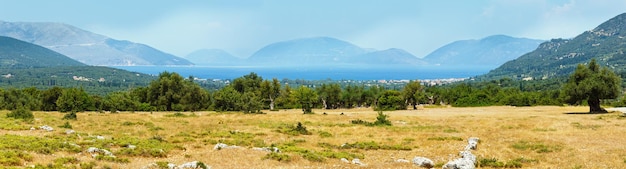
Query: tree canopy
[[592, 83]]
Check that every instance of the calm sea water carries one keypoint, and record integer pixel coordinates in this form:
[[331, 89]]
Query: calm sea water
[[320, 73]]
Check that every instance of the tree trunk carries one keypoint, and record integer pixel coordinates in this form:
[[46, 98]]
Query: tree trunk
[[594, 106], [324, 103], [271, 104]]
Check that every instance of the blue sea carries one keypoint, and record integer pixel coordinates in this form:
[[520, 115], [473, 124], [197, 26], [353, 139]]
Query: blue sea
[[318, 73]]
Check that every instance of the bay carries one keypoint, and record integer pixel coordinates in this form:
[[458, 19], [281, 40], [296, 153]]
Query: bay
[[317, 73]]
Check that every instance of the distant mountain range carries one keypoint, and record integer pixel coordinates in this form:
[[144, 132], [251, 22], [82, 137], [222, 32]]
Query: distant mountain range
[[87, 47], [19, 54], [94, 49], [213, 57], [559, 57], [490, 51]]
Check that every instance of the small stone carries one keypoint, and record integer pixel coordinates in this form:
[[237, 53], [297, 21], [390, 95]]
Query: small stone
[[68, 132], [423, 162], [402, 160], [344, 160]]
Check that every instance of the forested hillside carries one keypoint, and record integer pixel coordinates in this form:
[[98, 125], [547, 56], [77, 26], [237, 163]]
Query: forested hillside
[[19, 54], [559, 57]]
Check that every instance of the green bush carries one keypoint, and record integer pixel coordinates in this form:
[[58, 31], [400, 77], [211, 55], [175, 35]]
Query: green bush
[[70, 116], [21, 113], [66, 125], [277, 157], [112, 159], [66, 160], [381, 120]]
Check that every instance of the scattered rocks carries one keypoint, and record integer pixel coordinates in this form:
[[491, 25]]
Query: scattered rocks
[[267, 149], [188, 165], [344, 160], [96, 151], [47, 128], [472, 143], [356, 161], [467, 160], [423, 162], [220, 146]]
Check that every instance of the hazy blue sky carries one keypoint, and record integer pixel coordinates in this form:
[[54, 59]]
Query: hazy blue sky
[[242, 27]]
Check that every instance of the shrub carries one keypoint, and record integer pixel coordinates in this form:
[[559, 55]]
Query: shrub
[[324, 134], [112, 159], [277, 157], [66, 160], [21, 113], [70, 116], [66, 125], [381, 120], [301, 129]]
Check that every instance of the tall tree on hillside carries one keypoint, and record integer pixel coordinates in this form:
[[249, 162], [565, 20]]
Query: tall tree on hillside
[[270, 91], [592, 83], [248, 83], [412, 93], [306, 98]]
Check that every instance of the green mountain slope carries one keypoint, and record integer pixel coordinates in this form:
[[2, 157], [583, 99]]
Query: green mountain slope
[[19, 54], [559, 57]]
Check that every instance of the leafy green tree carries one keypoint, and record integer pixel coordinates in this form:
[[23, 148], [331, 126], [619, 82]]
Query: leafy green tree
[[73, 99], [371, 95], [195, 98], [306, 98], [226, 99], [166, 91], [122, 101], [412, 93], [391, 100], [270, 91], [250, 103], [592, 83], [285, 99], [250, 82], [15, 98], [330, 95], [49, 98]]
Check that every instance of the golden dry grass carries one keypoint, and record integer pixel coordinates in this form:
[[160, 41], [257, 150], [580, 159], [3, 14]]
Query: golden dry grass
[[570, 140]]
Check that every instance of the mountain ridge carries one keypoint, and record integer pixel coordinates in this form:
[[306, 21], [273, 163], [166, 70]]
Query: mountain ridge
[[492, 51], [559, 57], [15, 53], [87, 47]]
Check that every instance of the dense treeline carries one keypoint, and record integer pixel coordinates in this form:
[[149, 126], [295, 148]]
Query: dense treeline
[[251, 94]]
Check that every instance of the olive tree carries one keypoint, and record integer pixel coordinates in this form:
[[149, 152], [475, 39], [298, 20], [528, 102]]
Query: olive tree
[[592, 83]]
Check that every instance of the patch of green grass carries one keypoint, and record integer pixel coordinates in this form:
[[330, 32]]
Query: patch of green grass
[[297, 130], [41, 145], [445, 138], [66, 125], [495, 163], [278, 157], [66, 160], [537, 147], [324, 134], [13, 158], [371, 145], [582, 127], [179, 114], [112, 159], [89, 165]]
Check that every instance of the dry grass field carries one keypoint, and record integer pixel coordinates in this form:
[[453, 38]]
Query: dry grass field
[[533, 137]]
